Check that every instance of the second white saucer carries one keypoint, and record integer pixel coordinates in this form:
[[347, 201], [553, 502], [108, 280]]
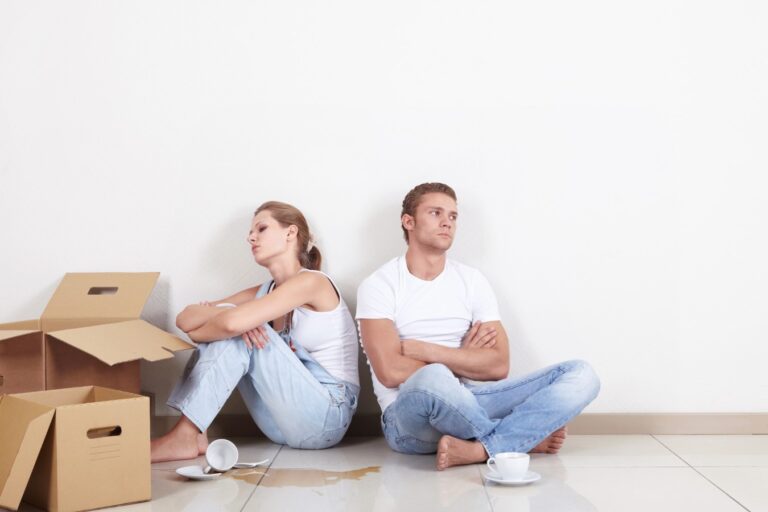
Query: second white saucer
[[528, 478]]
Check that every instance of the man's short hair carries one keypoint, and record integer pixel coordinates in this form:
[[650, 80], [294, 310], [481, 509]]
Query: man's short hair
[[413, 198]]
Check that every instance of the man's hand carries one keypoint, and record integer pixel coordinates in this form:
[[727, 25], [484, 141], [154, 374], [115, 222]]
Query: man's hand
[[479, 336]]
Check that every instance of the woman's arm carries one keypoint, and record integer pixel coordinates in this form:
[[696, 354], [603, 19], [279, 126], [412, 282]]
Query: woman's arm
[[305, 288], [196, 315]]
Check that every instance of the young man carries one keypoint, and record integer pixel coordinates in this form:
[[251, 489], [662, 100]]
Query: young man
[[429, 325]]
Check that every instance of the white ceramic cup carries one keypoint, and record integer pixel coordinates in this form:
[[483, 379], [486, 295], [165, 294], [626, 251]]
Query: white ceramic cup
[[509, 465], [221, 455]]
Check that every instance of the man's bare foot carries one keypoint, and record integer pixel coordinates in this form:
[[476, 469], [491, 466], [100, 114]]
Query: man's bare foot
[[553, 443], [452, 451], [179, 444]]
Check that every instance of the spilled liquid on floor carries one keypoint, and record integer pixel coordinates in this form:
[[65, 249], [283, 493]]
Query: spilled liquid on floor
[[285, 477]]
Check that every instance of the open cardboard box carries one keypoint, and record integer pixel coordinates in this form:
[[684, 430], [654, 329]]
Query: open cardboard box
[[89, 334], [74, 449]]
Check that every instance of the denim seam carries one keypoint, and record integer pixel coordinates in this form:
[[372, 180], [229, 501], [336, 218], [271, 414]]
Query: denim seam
[[190, 417], [485, 447], [197, 389], [480, 391], [407, 437], [490, 437]]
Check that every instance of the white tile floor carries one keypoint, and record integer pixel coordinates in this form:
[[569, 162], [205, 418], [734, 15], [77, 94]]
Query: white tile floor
[[591, 473]]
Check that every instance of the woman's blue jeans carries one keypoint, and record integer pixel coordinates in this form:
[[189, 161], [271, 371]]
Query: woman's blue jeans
[[290, 396], [510, 415]]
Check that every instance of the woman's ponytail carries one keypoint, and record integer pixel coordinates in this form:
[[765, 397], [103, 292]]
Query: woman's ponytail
[[311, 259]]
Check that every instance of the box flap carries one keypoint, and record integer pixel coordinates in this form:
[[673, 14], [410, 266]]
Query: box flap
[[23, 426], [6, 335], [100, 295], [101, 394], [58, 397], [24, 325], [123, 341]]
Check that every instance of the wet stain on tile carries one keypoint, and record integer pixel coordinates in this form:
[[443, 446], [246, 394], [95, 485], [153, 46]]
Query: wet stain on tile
[[299, 477]]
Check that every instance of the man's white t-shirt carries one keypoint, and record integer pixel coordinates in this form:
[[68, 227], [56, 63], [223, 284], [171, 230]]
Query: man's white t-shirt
[[438, 311]]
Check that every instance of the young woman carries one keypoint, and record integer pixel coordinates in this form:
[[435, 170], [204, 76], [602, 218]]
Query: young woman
[[289, 346]]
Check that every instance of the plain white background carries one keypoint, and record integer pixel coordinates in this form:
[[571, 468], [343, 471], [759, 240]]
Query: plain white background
[[609, 159]]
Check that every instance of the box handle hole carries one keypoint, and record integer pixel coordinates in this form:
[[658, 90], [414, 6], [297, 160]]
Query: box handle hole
[[103, 290], [96, 433]]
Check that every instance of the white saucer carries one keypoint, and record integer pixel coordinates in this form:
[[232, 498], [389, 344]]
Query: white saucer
[[196, 473], [528, 478]]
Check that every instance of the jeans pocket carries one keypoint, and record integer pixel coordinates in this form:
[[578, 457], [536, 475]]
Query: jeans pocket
[[390, 430], [336, 417], [337, 392]]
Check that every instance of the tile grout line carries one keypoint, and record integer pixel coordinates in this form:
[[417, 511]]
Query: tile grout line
[[700, 473], [485, 488], [245, 503]]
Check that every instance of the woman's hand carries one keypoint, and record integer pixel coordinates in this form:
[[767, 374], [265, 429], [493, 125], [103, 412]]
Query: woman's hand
[[256, 338]]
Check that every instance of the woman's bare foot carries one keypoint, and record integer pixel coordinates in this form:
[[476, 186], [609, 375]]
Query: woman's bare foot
[[202, 442], [553, 443], [181, 443], [452, 451]]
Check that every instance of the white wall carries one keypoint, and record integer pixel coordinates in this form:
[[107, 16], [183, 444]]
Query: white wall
[[609, 159]]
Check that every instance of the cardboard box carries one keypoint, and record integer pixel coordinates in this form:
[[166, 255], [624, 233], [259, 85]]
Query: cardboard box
[[74, 449], [89, 334]]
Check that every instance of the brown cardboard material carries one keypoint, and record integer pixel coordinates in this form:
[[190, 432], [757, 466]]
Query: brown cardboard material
[[23, 426], [95, 453], [21, 361], [89, 334]]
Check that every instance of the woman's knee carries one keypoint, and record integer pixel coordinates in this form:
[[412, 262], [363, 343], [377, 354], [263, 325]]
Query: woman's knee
[[228, 355], [214, 349]]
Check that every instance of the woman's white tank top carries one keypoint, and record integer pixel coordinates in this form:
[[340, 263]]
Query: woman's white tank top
[[329, 336]]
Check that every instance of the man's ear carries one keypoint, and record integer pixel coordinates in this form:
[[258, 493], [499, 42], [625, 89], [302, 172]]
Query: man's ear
[[408, 222]]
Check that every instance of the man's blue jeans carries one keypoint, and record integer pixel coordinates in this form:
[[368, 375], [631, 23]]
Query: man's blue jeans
[[290, 396], [510, 415]]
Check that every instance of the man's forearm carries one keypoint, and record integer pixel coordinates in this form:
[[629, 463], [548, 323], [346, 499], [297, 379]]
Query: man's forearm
[[472, 363], [400, 370]]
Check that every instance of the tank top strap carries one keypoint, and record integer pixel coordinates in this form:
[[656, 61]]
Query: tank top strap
[[338, 292]]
